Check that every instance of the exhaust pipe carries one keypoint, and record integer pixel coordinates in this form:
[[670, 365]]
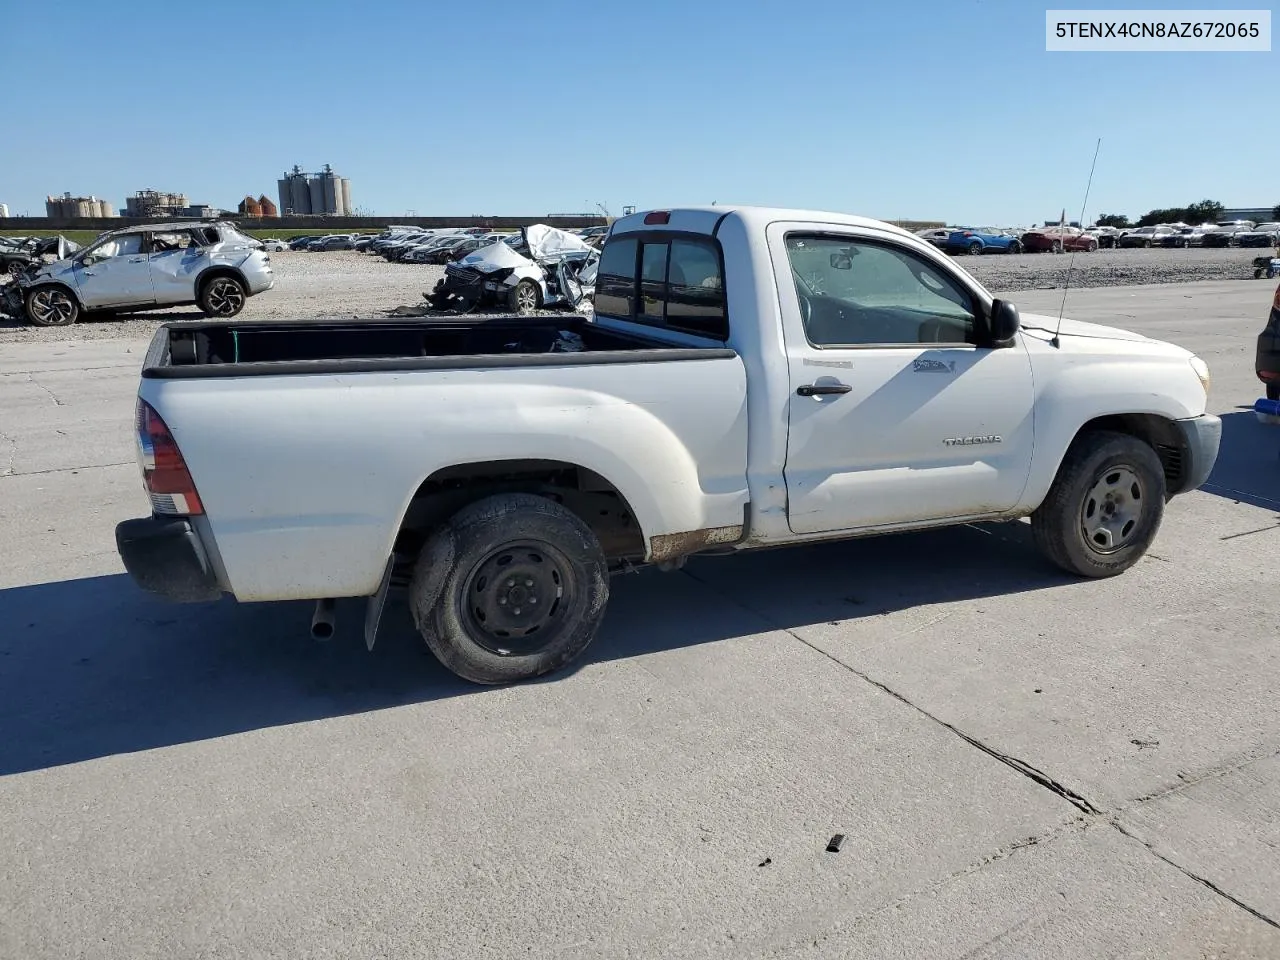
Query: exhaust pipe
[[322, 620]]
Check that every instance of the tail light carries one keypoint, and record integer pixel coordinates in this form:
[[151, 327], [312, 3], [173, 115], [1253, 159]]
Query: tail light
[[164, 472], [1270, 376]]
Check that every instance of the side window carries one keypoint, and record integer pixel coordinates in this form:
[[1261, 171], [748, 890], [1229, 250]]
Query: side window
[[175, 240], [855, 293], [123, 246], [616, 279]]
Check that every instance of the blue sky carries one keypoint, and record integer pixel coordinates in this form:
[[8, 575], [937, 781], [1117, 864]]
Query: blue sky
[[921, 109]]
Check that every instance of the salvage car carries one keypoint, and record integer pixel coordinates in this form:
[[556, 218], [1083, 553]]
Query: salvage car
[[16, 257], [544, 267], [145, 267], [976, 240], [1147, 236], [1057, 239], [1263, 235], [751, 378], [1228, 234]]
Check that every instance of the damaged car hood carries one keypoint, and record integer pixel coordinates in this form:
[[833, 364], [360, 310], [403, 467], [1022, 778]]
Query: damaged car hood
[[494, 257], [551, 243]]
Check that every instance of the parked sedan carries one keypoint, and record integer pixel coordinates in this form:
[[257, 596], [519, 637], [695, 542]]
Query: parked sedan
[[1187, 237], [1058, 239], [335, 241], [449, 252], [272, 245], [1263, 235], [1147, 236], [1226, 235], [975, 240], [300, 243]]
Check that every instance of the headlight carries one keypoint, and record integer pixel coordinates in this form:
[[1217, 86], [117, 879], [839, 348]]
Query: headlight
[[1202, 371]]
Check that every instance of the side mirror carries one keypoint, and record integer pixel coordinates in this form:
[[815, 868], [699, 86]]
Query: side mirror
[[841, 261], [1005, 323]]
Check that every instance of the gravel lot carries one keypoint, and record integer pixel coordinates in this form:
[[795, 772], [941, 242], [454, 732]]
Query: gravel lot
[[347, 284]]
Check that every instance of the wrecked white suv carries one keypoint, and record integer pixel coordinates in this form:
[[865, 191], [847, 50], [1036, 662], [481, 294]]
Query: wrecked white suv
[[145, 267]]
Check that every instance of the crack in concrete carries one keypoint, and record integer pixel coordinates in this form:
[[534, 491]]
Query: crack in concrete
[[52, 396], [1038, 776], [91, 466], [1210, 774], [1203, 881], [1015, 763], [13, 455]]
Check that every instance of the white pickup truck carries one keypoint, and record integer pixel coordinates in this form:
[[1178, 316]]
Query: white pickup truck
[[750, 378]]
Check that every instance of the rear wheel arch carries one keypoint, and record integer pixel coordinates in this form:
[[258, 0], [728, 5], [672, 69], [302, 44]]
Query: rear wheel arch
[[595, 499], [212, 273]]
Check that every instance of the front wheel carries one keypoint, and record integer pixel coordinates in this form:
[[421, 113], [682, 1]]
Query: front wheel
[[51, 307], [511, 587], [1091, 248], [222, 297], [1057, 246], [1014, 247], [524, 298], [1104, 507]]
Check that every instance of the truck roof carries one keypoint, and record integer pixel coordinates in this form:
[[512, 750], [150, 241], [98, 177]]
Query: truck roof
[[704, 219]]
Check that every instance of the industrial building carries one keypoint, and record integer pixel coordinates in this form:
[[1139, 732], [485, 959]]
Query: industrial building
[[262, 207], [155, 203], [67, 206], [4, 211], [323, 194]]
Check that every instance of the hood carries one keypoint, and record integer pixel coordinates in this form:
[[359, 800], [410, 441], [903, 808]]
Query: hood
[[1078, 328], [551, 243], [496, 256]]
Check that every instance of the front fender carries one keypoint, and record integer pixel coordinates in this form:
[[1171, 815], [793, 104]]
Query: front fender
[[1161, 385]]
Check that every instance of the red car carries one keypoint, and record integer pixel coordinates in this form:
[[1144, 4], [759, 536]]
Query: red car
[[1058, 239]]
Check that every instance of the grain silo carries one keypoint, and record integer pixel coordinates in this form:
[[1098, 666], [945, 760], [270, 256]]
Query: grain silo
[[346, 197], [315, 196]]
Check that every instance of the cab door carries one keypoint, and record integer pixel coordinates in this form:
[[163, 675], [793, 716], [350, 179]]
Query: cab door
[[175, 256], [899, 411], [113, 273]]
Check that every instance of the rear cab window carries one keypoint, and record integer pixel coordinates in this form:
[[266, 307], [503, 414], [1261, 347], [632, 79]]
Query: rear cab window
[[672, 281]]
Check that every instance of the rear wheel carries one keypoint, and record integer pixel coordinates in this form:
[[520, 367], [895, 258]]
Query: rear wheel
[[511, 587], [51, 307], [1104, 507], [1146, 244], [975, 248], [222, 297], [1057, 246], [1091, 247]]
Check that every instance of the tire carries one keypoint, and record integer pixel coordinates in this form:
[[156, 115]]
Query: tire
[[1091, 247], [975, 248], [1104, 507], [14, 268], [1273, 391], [525, 298], [1146, 244], [467, 584], [1057, 246], [1014, 247], [222, 296], [51, 307]]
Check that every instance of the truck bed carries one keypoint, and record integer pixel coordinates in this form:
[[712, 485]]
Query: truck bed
[[236, 349]]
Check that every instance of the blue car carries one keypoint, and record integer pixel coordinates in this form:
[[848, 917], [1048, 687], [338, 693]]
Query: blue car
[[977, 240]]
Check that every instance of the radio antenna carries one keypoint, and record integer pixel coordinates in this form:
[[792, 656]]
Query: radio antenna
[[1071, 263]]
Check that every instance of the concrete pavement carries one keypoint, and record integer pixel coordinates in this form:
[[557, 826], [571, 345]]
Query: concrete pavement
[[1023, 764]]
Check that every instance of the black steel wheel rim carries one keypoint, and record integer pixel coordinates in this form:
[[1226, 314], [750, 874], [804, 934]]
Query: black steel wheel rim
[[516, 600]]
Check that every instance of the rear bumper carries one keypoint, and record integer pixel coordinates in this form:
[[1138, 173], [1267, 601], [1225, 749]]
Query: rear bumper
[[164, 556], [1201, 437]]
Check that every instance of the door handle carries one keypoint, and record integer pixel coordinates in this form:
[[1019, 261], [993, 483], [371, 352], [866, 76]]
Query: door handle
[[822, 389], [137, 259], [88, 273]]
